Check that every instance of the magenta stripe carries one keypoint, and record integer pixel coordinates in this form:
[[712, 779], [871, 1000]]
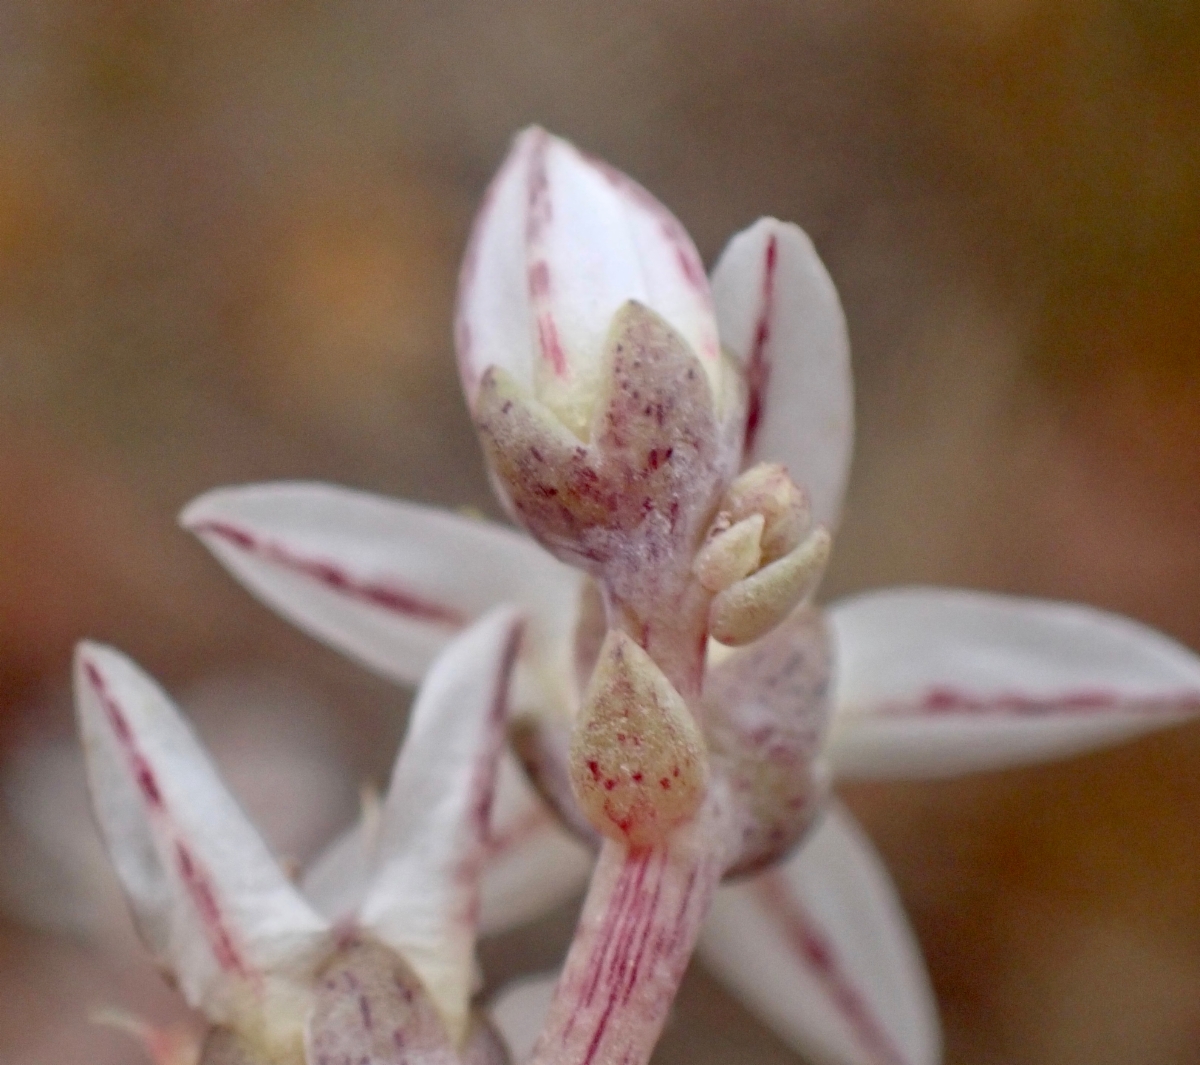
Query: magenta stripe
[[195, 878], [945, 700], [815, 952], [389, 595], [758, 363]]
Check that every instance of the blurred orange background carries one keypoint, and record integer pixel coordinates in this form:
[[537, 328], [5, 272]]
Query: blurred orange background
[[229, 231]]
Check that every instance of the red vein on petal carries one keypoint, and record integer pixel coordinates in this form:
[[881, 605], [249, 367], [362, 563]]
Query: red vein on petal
[[196, 880], [388, 596], [464, 337], [758, 364], [687, 258], [483, 779], [818, 954], [204, 897], [143, 774], [945, 700], [539, 217]]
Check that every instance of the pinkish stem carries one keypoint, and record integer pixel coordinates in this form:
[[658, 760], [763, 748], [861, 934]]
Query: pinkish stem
[[673, 630], [635, 936]]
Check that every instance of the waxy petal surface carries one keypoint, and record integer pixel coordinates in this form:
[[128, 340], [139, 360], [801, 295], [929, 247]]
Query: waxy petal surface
[[210, 901], [780, 316], [939, 682], [561, 242], [820, 949], [493, 323], [388, 583], [533, 864], [423, 900]]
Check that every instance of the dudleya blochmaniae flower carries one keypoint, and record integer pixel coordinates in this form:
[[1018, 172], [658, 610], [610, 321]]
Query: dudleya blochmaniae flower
[[681, 445], [280, 982]]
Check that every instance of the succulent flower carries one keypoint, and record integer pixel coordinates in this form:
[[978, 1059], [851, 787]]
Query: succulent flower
[[280, 982], [681, 447]]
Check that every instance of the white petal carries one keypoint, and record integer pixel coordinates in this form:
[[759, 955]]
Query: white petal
[[561, 242], [779, 314], [821, 950], [493, 320], [273, 756], [388, 583], [423, 900], [209, 899], [519, 1011], [533, 863], [938, 682]]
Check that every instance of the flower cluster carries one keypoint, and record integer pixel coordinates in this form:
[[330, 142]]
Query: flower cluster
[[679, 446]]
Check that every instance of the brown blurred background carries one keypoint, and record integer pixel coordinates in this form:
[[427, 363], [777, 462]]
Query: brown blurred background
[[229, 231]]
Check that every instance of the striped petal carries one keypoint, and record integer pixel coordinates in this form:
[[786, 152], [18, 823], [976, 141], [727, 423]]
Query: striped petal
[[533, 864], [388, 583], [423, 900], [210, 902], [561, 242], [938, 682], [820, 949], [780, 316]]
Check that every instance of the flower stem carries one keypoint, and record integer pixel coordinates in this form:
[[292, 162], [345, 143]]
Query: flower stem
[[637, 931]]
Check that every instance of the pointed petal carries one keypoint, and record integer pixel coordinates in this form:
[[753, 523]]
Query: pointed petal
[[424, 898], [533, 863], [209, 900], [820, 949], [493, 324], [780, 316], [938, 682], [520, 1010], [388, 583], [559, 244]]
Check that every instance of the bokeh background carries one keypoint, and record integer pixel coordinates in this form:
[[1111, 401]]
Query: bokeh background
[[229, 231]]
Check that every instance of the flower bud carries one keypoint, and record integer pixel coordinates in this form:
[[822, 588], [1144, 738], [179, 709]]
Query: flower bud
[[562, 242], [752, 607], [639, 766], [767, 489], [643, 485], [731, 553]]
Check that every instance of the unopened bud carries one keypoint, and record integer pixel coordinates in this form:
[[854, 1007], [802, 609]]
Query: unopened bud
[[767, 489], [730, 554], [545, 473], [746, 610], [645, 476], [639, 765], [560, 244]]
